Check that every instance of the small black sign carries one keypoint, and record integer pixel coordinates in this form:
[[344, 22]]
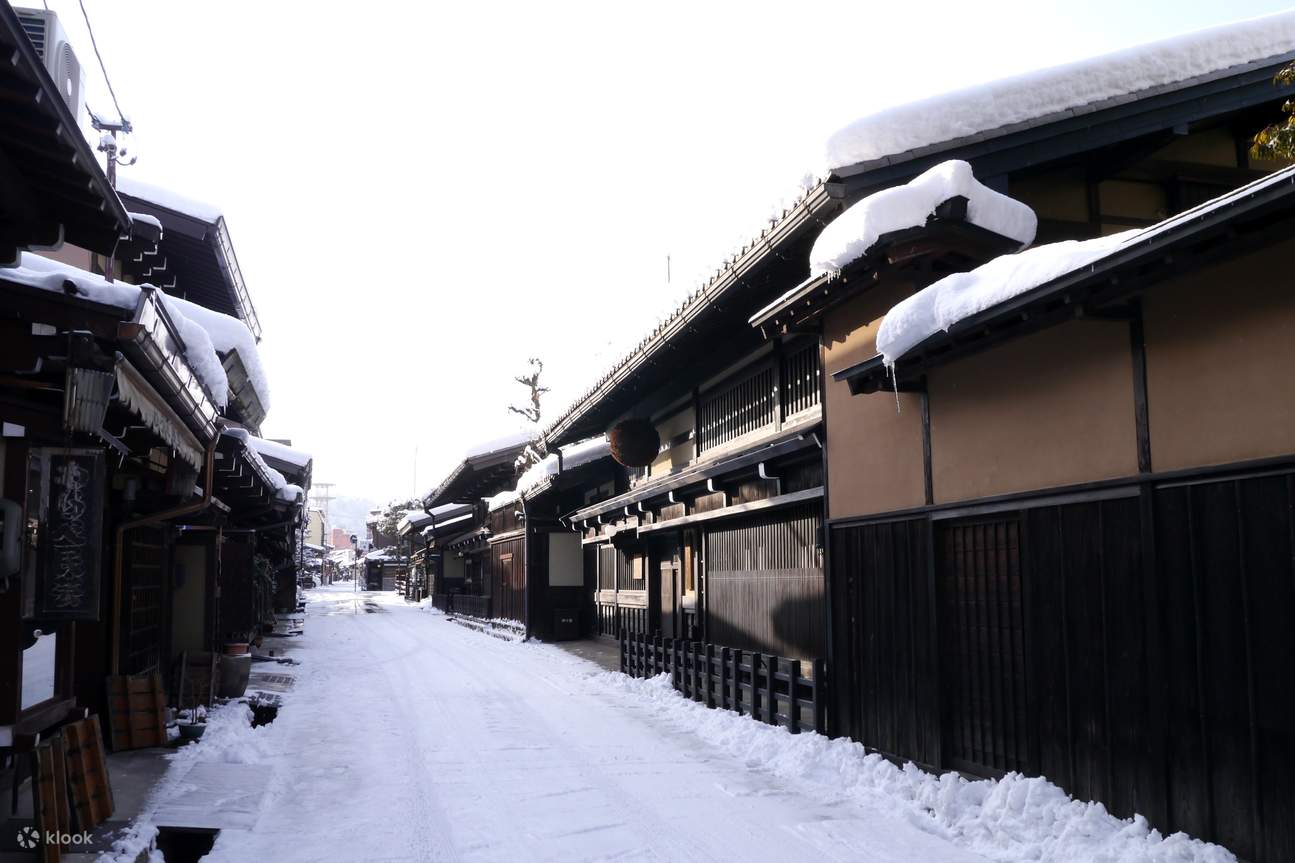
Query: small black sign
[[70, 539]]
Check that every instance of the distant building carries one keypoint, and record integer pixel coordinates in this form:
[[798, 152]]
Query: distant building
[[316, 528], [340, 538]]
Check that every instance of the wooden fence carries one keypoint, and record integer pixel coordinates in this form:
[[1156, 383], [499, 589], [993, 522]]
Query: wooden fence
[[770, 689], [462, 603]]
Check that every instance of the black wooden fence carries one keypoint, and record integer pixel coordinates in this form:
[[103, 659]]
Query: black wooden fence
[[770, 689], [462, 603]]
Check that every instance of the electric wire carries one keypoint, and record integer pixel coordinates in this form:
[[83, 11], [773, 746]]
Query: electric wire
[[103, 68]]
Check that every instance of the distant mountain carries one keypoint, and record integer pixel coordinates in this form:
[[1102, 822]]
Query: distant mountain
[[349, 513]]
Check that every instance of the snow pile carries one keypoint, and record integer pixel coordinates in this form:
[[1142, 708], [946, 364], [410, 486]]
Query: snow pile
[[279, 452], [854, 232], [146, 219], [130, 846], [168, 199], [1066, 89], [203, 331], [229, 334], [283, 489], [1010, 819], [939, 306], [573, 456]]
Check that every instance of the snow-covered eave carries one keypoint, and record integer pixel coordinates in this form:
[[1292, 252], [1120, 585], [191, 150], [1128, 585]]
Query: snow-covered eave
[[808, 211], [822, 291], [1018, 315], [1039, 105]]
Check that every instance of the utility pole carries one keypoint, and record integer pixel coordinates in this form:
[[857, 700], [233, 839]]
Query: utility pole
[[323, 497], [108, 146]]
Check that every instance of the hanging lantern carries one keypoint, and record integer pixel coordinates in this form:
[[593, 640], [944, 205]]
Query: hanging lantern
[[634, 443]]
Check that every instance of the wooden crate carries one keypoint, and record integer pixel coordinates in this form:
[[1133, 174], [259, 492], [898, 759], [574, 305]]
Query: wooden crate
[[49, 797], [87, 773], [137, 711]]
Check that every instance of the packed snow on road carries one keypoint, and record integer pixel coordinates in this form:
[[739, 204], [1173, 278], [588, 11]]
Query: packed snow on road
[[409, 737]]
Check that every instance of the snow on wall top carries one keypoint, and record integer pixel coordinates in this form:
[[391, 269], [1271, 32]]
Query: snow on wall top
[[164, 197], [956, 297], [848, 237], [1070, 88]]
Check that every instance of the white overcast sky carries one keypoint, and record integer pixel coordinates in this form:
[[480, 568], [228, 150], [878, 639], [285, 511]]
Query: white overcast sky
[[422, 195]]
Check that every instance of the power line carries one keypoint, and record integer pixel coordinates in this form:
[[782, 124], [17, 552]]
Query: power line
[[102, 68]]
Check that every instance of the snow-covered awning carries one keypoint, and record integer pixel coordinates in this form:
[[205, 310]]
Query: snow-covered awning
[[1016, 294], [1074, 89]]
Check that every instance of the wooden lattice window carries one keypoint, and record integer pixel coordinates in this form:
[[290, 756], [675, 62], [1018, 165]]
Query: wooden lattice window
[[738, 409]]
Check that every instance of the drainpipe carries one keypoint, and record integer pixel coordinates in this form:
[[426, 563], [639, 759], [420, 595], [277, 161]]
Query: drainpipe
[[526, 564], [154, 518]]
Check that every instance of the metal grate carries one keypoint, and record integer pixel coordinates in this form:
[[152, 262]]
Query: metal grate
[[744, 407], [34, 27], [983, 648]]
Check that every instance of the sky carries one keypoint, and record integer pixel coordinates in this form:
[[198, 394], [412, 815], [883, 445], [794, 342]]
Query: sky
[[422, 195]]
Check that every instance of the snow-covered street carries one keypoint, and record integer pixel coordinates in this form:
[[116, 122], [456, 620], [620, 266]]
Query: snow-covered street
[[409, 737]]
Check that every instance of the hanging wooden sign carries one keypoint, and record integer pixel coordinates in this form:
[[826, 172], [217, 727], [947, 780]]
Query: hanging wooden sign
[[69, 544]]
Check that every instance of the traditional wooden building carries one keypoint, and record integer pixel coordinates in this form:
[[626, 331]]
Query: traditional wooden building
[[139, 520], [1059, 481], [715, 531]]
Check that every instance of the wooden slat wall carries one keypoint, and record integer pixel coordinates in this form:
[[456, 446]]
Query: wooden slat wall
[[1159, 634], [885, 670], [507, 579], [764, 583], [146, 570]]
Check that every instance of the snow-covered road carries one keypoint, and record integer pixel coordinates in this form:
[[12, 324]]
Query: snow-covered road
[[409, 737]]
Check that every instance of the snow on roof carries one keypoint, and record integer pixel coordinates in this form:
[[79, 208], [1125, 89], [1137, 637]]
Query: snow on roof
[[848, 237], [500, 444], [290, 492], [230, 334], [573, 455], [146, 219], [956, 297], [704, 294], [1073, 88], [279, 452], [46, 274], [164, 197]]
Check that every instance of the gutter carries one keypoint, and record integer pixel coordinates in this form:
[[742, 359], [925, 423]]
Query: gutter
[[119, 554]]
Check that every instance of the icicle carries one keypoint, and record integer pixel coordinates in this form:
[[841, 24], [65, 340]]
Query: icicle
[[894, 382]]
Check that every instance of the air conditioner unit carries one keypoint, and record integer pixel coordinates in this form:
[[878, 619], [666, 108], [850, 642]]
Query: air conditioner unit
[[52, 46]]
